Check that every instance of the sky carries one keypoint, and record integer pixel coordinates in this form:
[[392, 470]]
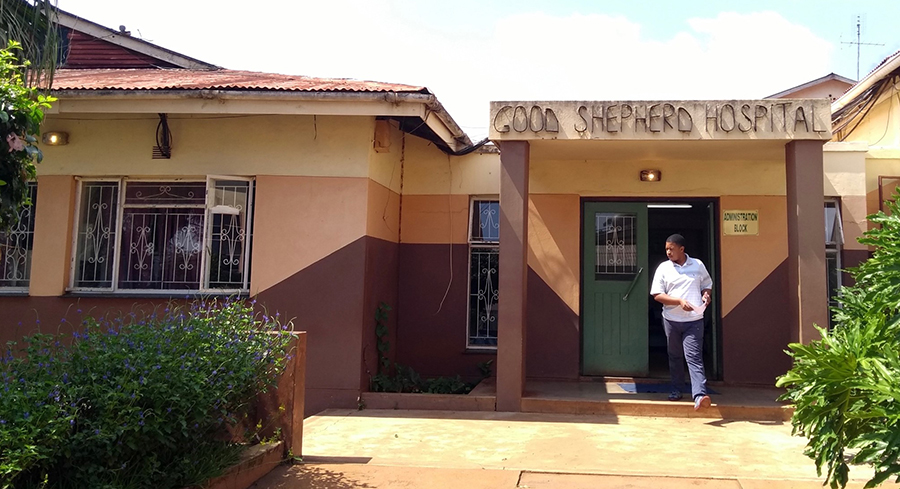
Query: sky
[[469, 52]]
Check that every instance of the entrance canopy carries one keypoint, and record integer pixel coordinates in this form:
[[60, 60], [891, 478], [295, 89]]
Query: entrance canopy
[[614, 135]]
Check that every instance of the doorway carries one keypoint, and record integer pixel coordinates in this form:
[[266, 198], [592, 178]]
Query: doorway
[[695, 220], [623, 243]]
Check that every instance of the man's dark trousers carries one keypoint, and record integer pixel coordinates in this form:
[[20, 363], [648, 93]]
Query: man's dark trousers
[[685, 341]]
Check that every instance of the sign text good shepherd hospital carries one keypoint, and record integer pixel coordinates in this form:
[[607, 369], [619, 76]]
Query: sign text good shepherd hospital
[[662, 120]]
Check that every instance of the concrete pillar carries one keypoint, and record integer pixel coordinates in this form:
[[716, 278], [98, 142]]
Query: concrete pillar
[[52, 253], [514, 161], [806, 239]]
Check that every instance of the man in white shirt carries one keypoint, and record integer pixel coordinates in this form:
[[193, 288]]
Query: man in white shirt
[[682, 284]]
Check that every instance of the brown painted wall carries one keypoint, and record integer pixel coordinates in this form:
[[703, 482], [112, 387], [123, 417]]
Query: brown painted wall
[[756, 319], [381, 286], [756, 331], [327, 300], [23, 315], [554, 333], [431, 337]]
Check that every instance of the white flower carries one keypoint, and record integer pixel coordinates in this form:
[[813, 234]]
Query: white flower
[[15, 144]]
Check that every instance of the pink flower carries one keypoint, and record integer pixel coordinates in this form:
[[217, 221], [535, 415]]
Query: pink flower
[[15, 144]]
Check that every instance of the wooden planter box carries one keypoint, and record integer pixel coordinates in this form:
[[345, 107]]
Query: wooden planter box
[[255, 463]]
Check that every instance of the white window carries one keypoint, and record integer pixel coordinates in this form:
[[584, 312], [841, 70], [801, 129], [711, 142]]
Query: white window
[[834, 239], [16, 244], [484, 253], [140, 236]]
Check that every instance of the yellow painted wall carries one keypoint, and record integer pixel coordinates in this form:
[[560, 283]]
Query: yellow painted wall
[[51, 256], [679, 179], [383, 212], [845, 178], [880, 128], [320, 184], [554, 244], [434, 219], [747, 260], [301, 220], [879, 167], [202, 145], [385, 165], [428, 171]]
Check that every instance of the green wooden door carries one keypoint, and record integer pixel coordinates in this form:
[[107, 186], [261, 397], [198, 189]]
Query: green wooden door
[[615, 281]]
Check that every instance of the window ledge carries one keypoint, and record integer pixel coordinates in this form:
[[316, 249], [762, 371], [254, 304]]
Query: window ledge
[[13, 293], [481, 351], [155, 295]]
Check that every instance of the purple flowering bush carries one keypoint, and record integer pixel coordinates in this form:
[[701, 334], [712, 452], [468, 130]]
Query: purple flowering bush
[[135, 402]]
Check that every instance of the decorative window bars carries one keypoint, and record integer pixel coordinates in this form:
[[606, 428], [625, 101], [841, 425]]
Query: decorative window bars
[[16, 244], [484, 252], [615, 250], [137, 235]]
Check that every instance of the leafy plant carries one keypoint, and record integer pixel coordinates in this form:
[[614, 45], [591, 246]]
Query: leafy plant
[[21, 114], [32, 23], [381, 333], [406, 379], [846, 386], [486, 368], [135, 402]]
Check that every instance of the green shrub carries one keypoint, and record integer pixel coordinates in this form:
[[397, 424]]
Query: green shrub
[[135, 402], [846, 387], [21, 114]]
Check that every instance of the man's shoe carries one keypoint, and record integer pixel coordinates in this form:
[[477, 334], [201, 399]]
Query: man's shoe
[[701, 402], [675, 396]]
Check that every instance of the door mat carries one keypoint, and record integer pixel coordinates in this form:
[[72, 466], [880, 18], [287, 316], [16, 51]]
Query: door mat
[[652, 388]]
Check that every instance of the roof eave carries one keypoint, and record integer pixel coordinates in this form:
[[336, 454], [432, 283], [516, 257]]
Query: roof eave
[[885, 69], [126, 41], [431, 112]]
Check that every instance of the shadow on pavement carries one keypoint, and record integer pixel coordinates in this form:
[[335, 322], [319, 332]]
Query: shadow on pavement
[[309, 477]]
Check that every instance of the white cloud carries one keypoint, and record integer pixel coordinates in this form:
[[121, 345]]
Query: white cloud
[[599, 57], [522, 56]]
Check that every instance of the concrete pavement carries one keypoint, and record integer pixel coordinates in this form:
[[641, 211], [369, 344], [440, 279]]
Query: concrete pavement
[[433, 449]]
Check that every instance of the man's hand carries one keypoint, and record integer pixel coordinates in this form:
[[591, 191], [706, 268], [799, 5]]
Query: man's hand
[[706, 297], [686, 305]]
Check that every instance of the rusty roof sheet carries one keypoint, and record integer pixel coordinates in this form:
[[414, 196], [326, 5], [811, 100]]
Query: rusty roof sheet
[[180, 79]]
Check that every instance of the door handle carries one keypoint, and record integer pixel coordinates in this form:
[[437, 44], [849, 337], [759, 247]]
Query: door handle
[[634, 281]]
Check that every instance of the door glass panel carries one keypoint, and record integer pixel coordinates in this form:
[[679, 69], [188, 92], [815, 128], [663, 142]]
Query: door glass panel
[[615, 244]]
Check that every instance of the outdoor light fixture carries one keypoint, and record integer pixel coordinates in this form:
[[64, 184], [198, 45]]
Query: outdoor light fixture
[[651, 175], [55, 138]]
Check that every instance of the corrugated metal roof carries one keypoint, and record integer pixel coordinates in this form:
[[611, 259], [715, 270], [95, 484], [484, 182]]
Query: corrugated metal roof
[[180, 79]]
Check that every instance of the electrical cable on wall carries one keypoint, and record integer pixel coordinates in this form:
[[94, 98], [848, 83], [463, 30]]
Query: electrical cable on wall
[[450, 239]]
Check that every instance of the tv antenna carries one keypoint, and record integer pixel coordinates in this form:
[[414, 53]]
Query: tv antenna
[[859, 43]]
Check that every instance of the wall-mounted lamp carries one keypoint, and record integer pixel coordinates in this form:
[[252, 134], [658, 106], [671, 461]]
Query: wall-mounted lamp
[[55, 138], [651, 175]]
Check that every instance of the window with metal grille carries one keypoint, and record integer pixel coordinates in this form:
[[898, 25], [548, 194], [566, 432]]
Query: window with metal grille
[[615, 247], [16, 244], [138, 235], [484, 253]]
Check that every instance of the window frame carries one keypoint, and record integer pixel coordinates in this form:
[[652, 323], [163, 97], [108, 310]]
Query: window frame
[[209, 182], [474, 244], [834, 248], [15, 290]]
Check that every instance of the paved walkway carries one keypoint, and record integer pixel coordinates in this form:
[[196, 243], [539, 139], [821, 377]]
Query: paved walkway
[[345, 449]]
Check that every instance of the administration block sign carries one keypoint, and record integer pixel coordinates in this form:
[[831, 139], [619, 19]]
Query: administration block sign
[[740, 222]]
